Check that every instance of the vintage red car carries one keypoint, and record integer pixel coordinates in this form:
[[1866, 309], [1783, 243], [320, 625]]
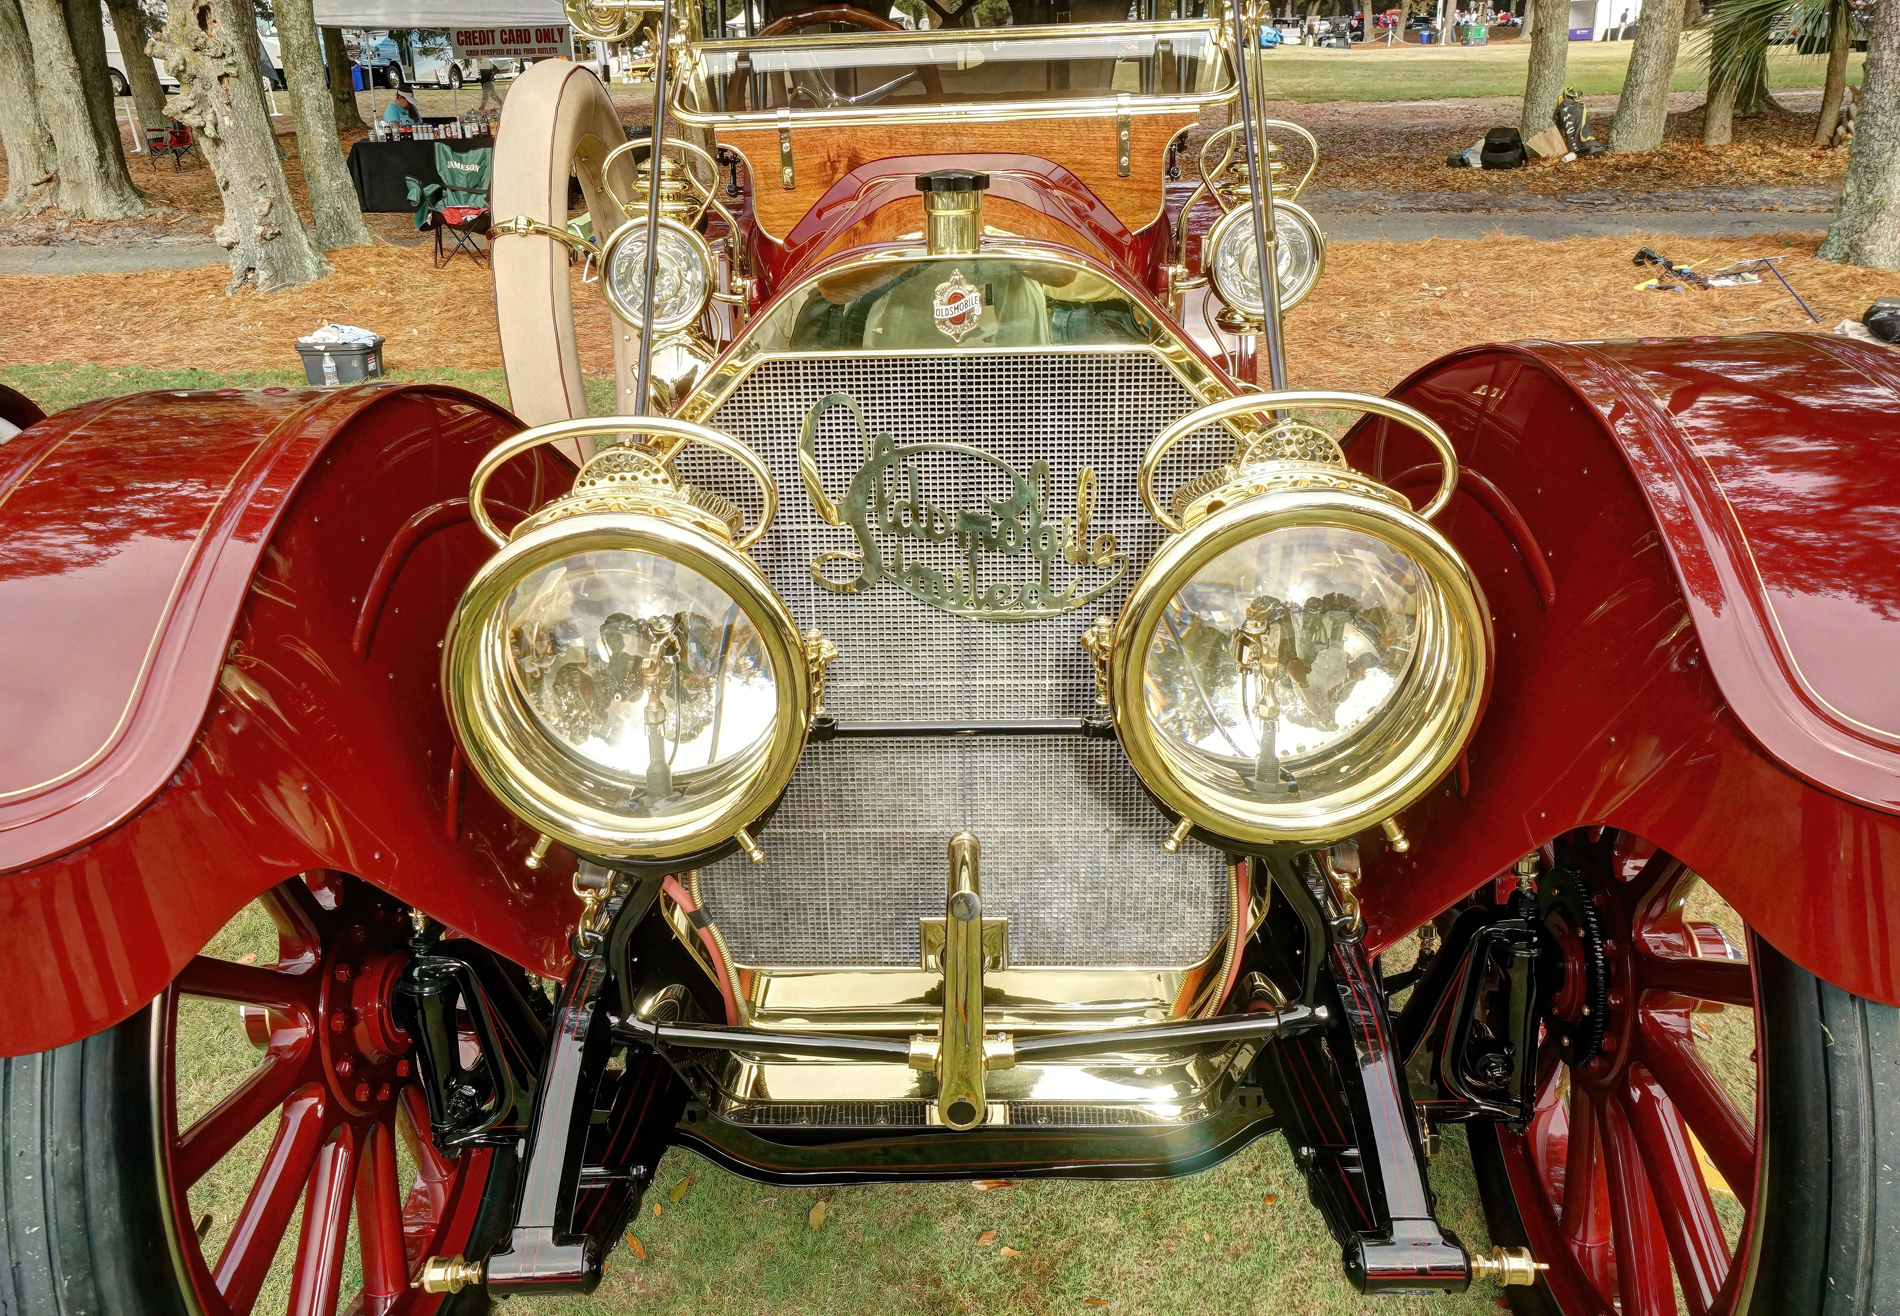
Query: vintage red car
[[971, 714]]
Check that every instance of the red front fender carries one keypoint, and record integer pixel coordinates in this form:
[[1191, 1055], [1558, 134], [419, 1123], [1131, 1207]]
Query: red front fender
[[220, 669], [1689, 551]]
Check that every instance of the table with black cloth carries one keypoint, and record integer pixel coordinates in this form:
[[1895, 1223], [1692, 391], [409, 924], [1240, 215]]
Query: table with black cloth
[[381, 170]]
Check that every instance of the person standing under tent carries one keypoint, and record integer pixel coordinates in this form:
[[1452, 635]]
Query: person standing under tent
[[485, 70]]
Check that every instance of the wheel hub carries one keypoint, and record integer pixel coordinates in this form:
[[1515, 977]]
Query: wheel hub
[[364, 1046]]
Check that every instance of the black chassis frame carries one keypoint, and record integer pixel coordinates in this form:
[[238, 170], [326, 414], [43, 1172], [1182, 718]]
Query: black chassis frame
[[580, 1111]]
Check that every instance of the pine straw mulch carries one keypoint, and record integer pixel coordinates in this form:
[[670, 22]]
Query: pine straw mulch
[[1381, 310], [1401, 148]]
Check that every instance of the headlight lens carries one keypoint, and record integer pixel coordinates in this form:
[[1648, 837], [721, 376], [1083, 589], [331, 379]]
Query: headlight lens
[[627, 685], [1299, 666], [683, 282], [1235, 261], [644, 668]]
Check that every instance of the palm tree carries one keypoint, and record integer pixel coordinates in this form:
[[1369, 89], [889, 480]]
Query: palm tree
[[1735, 52]]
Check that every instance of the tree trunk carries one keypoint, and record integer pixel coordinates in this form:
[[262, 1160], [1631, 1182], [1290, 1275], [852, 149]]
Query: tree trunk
[[342, 90], [1718, 114], [31, 155], [1836, 84], [1866, 228], [206, 46], [1642, 111], [86, 24], [1550, 57], [148, 97], [93, 183], [335, 217]]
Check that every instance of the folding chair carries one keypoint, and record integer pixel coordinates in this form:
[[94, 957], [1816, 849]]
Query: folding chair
[[175, 140], [458, 205]]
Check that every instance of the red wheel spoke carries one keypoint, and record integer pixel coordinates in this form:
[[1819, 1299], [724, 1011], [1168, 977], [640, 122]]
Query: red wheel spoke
[[260, 1226], [263, 1090], [248, 984], [1586, 1205], [318, 1273], [379, 1221], [1728, 981], [1642, 1255], [1688, 1216], [1669, 1050]]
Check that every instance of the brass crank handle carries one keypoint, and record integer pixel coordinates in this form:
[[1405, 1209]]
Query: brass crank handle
[[682, 432], [1296, 400]]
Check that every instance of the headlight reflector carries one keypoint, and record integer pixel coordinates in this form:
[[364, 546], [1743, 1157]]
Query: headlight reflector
[[1234, 259], [683, 282]]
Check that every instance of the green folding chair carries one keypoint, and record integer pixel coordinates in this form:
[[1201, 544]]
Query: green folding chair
[[457, 205]]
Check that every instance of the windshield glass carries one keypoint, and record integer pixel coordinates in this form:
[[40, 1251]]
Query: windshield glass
[[851, 70]]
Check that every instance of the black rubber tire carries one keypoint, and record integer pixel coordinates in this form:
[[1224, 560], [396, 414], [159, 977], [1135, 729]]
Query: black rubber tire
[[455, 77], [1829, 1242], [82, 1231], [82, 1225], [120, 87]]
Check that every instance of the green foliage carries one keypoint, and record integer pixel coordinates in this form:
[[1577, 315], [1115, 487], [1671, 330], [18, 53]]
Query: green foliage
[[1734, 45]]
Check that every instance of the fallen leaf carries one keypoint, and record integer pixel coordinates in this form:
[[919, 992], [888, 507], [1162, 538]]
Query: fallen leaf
[[1094, 1302], [984, 1185], [985, 1238], [817, 1216], [248, 957], [656, 1208], [634, 1246], [1010, 1252], [1269, 1199], [678, 1190], [1208, 1236]]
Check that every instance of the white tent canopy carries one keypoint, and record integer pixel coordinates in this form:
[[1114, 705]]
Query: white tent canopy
[[387, 15]]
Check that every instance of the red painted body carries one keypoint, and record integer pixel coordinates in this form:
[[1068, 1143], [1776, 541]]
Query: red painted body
[[258, 583], [189, 718], [1714, 671]]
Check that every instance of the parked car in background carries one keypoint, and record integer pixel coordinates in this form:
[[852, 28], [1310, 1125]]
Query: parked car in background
[[116, 64], [427, 61]]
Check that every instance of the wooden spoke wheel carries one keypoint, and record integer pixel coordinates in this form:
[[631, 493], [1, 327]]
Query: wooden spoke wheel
[[1642, 1177], [256, 1139]]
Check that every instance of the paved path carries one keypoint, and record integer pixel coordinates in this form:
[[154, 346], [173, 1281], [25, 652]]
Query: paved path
[[1350, 226]]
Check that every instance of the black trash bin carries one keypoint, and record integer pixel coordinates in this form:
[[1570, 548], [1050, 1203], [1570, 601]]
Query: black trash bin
[[341, 363]]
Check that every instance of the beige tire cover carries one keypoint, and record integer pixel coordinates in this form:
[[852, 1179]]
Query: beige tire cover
[[559, 122]]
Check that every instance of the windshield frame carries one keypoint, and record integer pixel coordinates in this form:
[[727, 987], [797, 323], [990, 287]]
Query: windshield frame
[[1225, 91]]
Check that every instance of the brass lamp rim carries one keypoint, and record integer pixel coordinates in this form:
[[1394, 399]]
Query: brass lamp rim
[[631, 314], [1454, 648], [1289, 297], [519, 761]]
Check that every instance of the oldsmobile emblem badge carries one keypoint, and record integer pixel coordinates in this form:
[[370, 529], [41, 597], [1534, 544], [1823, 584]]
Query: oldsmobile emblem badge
[[958, 306], [1005, 559]]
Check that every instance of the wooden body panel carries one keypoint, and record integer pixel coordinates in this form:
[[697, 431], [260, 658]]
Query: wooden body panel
[[1086, 147]]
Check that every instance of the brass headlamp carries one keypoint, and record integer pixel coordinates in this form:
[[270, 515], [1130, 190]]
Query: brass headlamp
[[621, 674], [1306, 655]]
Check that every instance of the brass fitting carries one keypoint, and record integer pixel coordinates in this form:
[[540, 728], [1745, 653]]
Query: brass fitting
[[538, 855], [953, 210], [749, 847], [1507, 1266], [448, 1274], [1395, 836], [1527, 869]]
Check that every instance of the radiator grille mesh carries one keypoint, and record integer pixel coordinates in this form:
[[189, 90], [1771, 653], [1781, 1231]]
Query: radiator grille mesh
[[1071, 847]]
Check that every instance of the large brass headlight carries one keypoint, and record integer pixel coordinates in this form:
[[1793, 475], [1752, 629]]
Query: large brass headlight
[[1233, 259], [1307, 655], [621, 675]]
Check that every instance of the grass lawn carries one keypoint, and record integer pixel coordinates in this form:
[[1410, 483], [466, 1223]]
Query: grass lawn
[[1403, 73]]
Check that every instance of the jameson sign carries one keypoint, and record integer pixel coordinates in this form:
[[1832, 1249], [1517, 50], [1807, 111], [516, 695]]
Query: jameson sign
[[513, 42]]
